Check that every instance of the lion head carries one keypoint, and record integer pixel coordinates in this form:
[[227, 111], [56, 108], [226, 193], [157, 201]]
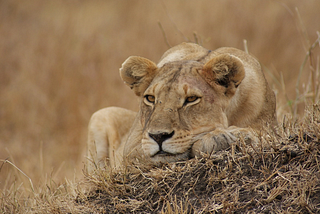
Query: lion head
[[180, 100]]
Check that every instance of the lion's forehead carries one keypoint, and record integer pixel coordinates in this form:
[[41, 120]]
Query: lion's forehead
[[178, 77], [183, 86]]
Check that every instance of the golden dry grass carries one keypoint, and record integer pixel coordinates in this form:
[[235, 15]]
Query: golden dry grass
[[59, 63]]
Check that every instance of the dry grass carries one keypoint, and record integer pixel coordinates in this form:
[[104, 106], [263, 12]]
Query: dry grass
[[59, 63]]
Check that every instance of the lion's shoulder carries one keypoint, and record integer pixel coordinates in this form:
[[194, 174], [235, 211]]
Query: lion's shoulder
[[183, 51], [194, 52]]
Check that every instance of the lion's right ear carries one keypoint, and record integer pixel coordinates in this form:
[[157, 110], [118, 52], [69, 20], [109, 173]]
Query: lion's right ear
[[138, 72], [226, 71]]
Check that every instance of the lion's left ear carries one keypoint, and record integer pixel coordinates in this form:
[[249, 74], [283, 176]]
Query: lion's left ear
[[224, 70], [138, 72]]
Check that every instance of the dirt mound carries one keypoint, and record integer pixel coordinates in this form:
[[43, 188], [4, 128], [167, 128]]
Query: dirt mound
[[280, 175]]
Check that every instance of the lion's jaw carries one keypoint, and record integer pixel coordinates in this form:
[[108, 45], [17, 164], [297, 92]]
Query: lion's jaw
[[182, 105]]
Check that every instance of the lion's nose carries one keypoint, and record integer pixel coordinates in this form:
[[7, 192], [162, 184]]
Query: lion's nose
[[161, 137]]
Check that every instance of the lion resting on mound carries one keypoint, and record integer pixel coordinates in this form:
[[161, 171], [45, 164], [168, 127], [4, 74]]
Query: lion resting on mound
[[193, 101]]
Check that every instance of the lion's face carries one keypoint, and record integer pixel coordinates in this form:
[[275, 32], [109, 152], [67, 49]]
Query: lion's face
[[176, 106], [179, 101]]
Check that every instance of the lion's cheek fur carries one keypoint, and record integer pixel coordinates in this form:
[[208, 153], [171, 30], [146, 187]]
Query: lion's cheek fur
[[177, 146], [149, 148], [174, 146], [210, 118]]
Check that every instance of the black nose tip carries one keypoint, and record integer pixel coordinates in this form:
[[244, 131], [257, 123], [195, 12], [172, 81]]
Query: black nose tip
[[161, 137]]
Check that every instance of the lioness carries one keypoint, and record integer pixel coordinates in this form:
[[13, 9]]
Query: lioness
[[193, 101]]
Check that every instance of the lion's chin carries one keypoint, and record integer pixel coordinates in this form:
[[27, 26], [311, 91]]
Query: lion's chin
[[164, 157]]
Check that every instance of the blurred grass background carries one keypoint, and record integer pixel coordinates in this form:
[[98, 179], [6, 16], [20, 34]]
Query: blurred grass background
[[59, 63]]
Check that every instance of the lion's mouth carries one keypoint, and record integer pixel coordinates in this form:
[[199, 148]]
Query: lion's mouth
[[163, 153], [165, 157], [168, 154]]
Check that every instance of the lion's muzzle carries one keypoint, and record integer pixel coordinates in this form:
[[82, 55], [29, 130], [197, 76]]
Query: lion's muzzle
[[160, 138]]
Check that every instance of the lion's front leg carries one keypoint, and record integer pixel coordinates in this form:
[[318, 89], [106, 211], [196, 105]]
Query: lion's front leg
[[220, 139], [107, 132]]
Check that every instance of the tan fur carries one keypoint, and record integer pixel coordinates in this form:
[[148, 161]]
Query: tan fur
[[194, 101], [107, 133]]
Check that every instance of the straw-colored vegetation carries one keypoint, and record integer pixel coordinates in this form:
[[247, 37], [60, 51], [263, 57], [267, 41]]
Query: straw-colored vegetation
[[59, 63]]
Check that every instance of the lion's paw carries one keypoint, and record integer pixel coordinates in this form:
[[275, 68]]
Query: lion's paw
[[212, 142]]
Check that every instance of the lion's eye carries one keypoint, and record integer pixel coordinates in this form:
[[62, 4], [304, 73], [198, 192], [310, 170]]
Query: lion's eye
[[191, 99], [150, 98]]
